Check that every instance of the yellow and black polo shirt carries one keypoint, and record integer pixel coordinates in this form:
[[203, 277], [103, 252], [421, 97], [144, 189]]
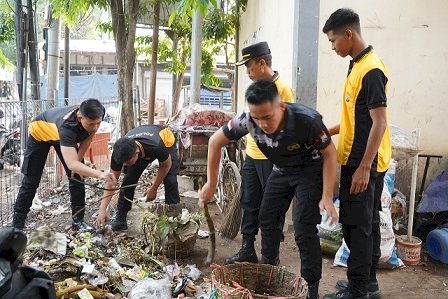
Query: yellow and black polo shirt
[[286, 95], [365, 89], [58, 125], [153, 142]]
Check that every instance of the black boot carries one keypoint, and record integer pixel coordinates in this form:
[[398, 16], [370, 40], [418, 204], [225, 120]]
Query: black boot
[[313, 291], [344, 295], [78, 223], [246, 254], [18, 220], [119, 224], [274, 261], [373, 288]]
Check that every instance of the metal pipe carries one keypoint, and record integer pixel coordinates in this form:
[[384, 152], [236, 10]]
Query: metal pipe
[[416, 135]]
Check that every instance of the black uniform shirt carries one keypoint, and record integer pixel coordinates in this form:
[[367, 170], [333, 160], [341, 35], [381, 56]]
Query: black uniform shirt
[[297, 145], [153, 142], [59, 125]]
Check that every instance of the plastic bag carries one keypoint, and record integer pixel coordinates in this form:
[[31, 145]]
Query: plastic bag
[[151, 289], [330, 235]]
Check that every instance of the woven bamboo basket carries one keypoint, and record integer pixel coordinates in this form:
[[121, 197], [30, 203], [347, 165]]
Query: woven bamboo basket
[[174, 247], [257, 281]]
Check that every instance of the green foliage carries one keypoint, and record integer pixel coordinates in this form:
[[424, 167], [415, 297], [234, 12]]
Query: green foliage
[[5, 62], [158, 228], [70, 10], [7, 36], [104, 27], [208, 65], [6, 26], [219, 26], [186, 8]]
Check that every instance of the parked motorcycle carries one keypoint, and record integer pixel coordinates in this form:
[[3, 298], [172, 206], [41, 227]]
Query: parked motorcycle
[[9, 146], [16, 280]]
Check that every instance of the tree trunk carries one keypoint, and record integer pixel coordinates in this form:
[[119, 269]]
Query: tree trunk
[[155, 47], [177, 91], [32, 47], [20, 55], [125, 53]]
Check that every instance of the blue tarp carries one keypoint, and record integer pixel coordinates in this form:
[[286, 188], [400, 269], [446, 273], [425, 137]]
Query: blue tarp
[[435, 198], [83, 87]]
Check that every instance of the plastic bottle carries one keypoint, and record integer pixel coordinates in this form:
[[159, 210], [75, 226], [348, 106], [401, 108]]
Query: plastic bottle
[[437, 244]]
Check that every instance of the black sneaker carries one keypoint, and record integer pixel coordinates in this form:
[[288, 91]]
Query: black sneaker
[[344, 295], [81, 226], [118, 226], [373, 288], [243, 255]]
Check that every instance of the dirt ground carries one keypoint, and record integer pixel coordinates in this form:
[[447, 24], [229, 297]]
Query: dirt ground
[[427, 280]]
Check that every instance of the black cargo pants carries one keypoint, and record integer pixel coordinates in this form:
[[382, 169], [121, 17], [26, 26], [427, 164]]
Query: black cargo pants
[[359, 215], [35, 156], [132, 175], [282, 185]]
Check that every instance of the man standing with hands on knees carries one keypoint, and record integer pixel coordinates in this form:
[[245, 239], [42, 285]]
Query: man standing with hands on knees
[[364, 152], [294, 138], [256, 168]]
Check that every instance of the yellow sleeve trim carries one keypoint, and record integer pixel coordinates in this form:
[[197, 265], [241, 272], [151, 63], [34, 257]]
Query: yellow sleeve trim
[[43, 131], [167, 137]]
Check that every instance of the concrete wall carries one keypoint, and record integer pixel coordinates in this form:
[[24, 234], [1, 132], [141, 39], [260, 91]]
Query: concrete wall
[[271, 21], [409, 36]]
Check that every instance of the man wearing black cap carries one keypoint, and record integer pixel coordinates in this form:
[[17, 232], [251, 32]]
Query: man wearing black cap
[[135, 151], [258, 61]]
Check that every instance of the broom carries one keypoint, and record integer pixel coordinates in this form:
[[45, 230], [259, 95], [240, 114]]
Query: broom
[[232, 216]]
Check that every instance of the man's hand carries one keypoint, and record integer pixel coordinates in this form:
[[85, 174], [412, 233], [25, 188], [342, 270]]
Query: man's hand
[[110, 179], [327, 205], [151, 194], [360, 180], [206, 194], [102, 219]]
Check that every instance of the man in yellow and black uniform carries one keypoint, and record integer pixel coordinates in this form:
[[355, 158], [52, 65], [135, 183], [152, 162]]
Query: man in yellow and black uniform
[[135, 151], [364, 152], [69, 130], [256, 169]]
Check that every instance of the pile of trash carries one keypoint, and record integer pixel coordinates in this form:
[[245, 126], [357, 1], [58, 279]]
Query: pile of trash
[[107, 265]]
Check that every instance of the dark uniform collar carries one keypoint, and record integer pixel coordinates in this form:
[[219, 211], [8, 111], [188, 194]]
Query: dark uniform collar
[[289, 123], [275, 76], [358, 57], [363, 52]]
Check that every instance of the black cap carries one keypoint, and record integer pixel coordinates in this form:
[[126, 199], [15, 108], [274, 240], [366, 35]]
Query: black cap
[[254, 51]]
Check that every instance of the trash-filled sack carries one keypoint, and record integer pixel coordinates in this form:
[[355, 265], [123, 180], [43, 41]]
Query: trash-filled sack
[[389, 258]]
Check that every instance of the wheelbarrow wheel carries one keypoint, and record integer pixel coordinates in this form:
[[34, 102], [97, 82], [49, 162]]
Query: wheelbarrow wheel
[[230, 185]]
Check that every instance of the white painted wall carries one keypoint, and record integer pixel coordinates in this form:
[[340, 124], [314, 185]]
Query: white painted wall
[[271, 21], [410, 37]]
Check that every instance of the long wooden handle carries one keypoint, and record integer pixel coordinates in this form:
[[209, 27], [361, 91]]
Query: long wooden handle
[[212, 245]]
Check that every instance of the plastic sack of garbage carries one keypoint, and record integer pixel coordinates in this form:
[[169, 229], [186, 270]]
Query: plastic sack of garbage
[[151, 289], [389, 258]]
